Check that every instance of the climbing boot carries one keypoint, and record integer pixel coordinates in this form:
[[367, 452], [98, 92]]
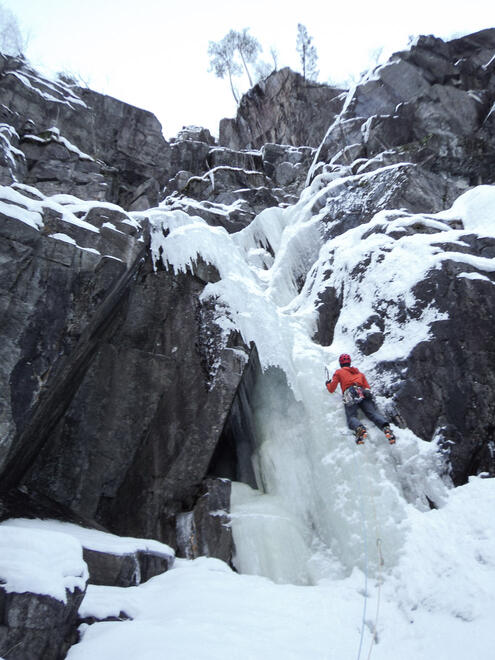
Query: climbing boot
[[361, 435], [389, 434]]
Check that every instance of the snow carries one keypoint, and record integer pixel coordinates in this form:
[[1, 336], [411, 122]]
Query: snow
[[7, 134], [68, 206], [64, 238], [92, 539], [61, 92], [40, 562], [475, 276], [476, 207], [436, 605], [68, 239], [31, 218], [55, 136]]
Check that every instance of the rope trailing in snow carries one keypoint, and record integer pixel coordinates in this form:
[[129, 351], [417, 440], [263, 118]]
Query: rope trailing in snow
[[366, 559], [380, 564], [365, 540]]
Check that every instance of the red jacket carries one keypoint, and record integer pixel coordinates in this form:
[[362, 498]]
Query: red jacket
[[347, 376]]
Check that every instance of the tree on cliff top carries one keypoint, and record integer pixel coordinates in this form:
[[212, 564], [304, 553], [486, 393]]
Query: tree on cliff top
[[248, 48], [12, 42], [307, 53], [222, 59], [223, 56]]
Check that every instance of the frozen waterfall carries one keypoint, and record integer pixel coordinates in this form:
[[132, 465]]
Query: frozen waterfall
[[319, 496]]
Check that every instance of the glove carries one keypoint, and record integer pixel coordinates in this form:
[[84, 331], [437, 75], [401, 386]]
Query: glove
[[367, 393], [327, 382]]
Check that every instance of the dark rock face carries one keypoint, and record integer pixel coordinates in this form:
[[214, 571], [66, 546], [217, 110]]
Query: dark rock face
[[232, 187], [447, 392], [35, 626], [287, 166], [356, 200], [284, 109], [197, 133], [232, 456], [123, 145], [135, 347], [64, 139], [205, 531], [430, 105], [54, 168], [328, 306], [124, 570]]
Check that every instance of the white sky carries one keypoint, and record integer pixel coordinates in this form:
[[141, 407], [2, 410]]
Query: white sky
[[153, 53]]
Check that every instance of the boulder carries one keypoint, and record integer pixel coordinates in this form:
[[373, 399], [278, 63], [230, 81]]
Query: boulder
[[246, 160], [205, 531], [124, 569], [232, 217], [196, 133], [353, 201], [287, 165], [147, 196], [189, 155], [38, 627], [42, 583]]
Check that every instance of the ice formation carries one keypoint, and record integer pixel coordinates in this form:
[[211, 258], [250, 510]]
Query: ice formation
[[304, 523]]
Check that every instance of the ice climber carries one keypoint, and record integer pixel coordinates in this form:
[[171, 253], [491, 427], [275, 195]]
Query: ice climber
[[357, 395]]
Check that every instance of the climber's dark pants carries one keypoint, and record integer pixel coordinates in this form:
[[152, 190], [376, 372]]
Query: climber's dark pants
[[369, 409]]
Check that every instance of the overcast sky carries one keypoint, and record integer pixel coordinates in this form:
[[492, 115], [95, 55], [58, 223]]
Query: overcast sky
[[153, 53]]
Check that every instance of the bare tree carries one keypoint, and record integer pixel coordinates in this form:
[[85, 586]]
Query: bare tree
[[12, 41], [274, 54], [307, 53], [262, 70], [248, 48], [222, 59]]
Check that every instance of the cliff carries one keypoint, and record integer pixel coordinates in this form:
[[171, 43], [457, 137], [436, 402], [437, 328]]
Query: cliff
[[167, 307]]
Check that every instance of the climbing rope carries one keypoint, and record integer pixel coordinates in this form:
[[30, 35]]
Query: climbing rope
[[380, 563], [366, 558], [365, 541]]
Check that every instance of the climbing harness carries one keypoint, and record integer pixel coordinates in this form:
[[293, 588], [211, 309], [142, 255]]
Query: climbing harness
[[353, 394]]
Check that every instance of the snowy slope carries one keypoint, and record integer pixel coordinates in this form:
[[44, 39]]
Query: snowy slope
[[435, 605]]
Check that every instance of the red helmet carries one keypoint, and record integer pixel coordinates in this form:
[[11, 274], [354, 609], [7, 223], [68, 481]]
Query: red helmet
[[345, 358]]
